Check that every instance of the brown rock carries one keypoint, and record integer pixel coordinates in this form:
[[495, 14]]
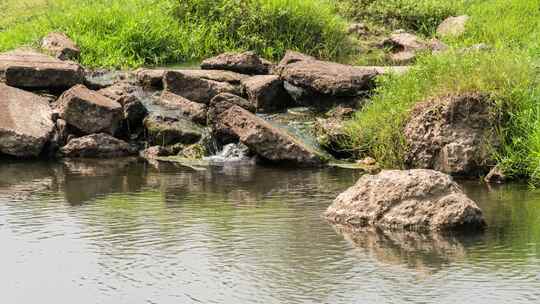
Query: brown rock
[[496, 175], [30, 69], [25, 122], [96, 146], [267, 141], [245, 63], [165, 129], [198, 88], [452, 26], [452, 134], [89, 111], [150, 77], [60, 46], [193, 110], [416, 200], [267, 93]]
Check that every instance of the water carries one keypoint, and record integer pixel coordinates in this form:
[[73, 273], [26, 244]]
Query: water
[[120, 231]]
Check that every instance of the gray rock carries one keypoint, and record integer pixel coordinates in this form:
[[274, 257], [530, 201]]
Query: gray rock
[[245, 63], [164, 129], [198, 86], [60, 46], [453, 26], [97, 146], [267, 93], [89, 111], [416, 200], [30, 69], [266, 140], [193, 110], [25, 122], [453, 134]]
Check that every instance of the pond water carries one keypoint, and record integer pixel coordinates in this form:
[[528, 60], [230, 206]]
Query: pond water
[[120, 231]]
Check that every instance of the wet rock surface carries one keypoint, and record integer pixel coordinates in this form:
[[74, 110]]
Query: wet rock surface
[[168, 129], [33, 70], [245, 63], [25, 122], [416, 200], [452, 134], [89, 111], [267, 141], [99, 145]]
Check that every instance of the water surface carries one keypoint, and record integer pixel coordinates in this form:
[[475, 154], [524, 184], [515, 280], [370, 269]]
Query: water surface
[[120, 231]]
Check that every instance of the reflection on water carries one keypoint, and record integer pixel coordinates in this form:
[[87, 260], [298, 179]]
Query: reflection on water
[[121, 231]]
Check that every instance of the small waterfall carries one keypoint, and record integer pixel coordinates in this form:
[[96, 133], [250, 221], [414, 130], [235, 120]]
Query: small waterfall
[[231, 153]]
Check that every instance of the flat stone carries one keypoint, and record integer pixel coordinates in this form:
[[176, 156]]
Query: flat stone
[[267, 93], [25, 122], [266, 140], [197, 85], [60, 46], [33, 70], [416, 200], [89, 111], [97, 146], [193, 110], [245, 63]]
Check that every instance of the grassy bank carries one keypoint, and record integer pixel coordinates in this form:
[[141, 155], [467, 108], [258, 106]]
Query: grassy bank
[[130, 33], [509, 73]]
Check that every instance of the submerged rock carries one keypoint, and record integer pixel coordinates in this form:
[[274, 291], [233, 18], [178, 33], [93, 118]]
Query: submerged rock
[[267, 93], [197, 86], [452, 26], [33, 70], [267, 141], [60, 46], [452, 134], [25, 122], [89, 111], [97, 146], [193, 110], [164, 130], [245, 63], [415, 200]]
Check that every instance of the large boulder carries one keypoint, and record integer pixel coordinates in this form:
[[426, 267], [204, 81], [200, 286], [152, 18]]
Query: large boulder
[[25, 122], [306, 77], [166, 129], [267, 93], [201, 86], [453, 134], [193, 110], [89, 111], [60, 46], [245, 63], [97, 146], [30, 69], [217, 106], [416, 200], [267, 141], [452, 26]]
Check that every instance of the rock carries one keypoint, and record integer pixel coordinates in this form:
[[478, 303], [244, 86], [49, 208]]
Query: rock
[[267, 141], [89, 111], [496, 175], [32, 70], [452, 134], [437, 46], [164, 130], [220, 104], [383, 70], [415, 200], [452, 26], [150, 77], [358, 29], [193, 110], [267, 93], [292, 57], [310, 77], [25, 122], [330, 134], [96, 146], [404, 47], [102, 78], [195, 87], [155, 152], [126, 95], [244, 63], [60, 46]]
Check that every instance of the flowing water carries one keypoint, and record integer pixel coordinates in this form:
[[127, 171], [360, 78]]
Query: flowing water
[[119, 231]]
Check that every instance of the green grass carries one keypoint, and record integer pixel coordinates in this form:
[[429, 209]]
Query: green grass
[[509, 73], [131, 33]]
